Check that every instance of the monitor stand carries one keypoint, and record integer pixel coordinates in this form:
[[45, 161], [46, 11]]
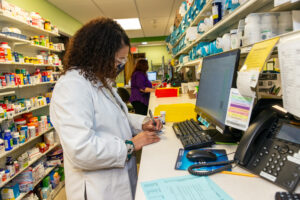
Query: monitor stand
[[223, 138]]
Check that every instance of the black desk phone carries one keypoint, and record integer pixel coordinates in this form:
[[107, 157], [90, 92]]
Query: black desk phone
[[270, 148]]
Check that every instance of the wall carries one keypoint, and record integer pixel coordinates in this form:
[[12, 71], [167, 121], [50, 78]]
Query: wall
[[63, 21], [155, 53]]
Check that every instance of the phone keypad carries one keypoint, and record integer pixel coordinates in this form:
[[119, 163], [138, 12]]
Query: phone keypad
[[286, 196]]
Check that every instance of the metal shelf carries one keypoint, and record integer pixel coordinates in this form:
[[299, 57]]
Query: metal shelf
[[56, 190], [29, 64], [227, 22], [26, 111], [21, 145], [199, 17], [29, 164], [287, 7], [244, 50], [8, 38], [39, 47], [4, 17], [48, 170], [24, 86]]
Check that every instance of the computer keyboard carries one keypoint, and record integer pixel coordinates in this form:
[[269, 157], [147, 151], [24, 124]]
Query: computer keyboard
[[191, 135]]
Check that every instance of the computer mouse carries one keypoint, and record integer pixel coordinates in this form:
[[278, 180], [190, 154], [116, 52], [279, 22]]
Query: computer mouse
[[201, 155]]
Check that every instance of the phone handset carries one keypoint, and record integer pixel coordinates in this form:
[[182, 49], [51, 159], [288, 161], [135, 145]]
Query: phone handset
[[246, 146]]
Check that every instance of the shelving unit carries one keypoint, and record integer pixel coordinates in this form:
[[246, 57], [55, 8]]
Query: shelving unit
[[28, 85], [26, 48], [200, 16], [29, 164], [23, 144], [56, 190], [26, 111], [244, 50], [227, 22], [23, 194], [4, 17]]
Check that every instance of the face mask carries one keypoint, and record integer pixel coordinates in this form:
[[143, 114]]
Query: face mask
[[121, 66]]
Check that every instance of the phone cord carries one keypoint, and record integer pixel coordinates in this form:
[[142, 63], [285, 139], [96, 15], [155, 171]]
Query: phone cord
[[207, 173]]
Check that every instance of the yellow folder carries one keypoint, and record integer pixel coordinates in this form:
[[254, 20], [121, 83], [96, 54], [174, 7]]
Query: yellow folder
[[177, 112]]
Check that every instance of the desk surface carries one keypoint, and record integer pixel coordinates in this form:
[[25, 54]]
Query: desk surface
[[158, 161]]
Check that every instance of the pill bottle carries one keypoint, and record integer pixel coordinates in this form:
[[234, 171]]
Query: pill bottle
[[7, 51]]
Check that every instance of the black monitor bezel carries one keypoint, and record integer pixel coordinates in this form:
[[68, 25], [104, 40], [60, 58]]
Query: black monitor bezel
[[209, 118]]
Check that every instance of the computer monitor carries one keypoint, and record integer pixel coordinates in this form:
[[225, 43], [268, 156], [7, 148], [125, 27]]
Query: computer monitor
[[152, 76], [218, 76]]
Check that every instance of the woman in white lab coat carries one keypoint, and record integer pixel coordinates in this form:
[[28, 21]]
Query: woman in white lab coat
[[97, 133]]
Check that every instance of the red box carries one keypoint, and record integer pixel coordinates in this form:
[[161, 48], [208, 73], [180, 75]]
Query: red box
[[167, 92]]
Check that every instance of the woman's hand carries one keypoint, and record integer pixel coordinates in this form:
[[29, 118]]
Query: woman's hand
[[144, 138], [148, 126]]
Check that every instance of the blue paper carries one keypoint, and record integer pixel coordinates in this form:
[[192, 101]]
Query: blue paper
[[184, 187], [183, 163]]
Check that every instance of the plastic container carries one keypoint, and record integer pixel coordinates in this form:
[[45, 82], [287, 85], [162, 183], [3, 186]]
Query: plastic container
[[163, 116], [42, 41], [24, 132], [7, 51], [2, 54], [166, 92], [32, 131], [16, 139], [19, 123], [285, 22], [8, 140], [2, 146], [217, 11], [47, 25], [235, 40], [269, 26]]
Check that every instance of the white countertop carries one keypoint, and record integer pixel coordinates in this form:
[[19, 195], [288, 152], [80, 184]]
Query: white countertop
[[158, 161]]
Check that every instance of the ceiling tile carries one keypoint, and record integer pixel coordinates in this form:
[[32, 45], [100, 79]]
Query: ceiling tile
[[118, 9], [83, 11]]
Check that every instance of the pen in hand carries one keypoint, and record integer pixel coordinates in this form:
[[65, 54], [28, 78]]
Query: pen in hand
[[151, 116]]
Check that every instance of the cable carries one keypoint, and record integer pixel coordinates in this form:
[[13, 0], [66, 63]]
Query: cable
[[199, 173], [226, 154]]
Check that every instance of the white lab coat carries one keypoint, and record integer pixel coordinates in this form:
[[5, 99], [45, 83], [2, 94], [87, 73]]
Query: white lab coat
[[92, 129]]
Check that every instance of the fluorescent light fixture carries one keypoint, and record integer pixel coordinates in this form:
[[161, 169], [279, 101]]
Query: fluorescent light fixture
[[130, 23], [144, 43]]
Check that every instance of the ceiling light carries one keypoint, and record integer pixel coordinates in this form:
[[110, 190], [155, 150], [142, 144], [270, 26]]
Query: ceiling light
[[130, 23], [144, 43]]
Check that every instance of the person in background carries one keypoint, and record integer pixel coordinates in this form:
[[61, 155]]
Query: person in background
[[140, 88], [97, 134]]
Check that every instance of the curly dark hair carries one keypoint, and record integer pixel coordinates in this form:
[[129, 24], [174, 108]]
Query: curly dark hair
[[142, 65], [92, 50]]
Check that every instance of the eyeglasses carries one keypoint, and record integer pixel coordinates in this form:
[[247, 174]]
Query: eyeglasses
[[121, 61]]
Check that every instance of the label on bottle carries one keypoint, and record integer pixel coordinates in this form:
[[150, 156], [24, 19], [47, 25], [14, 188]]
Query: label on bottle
[[215, 13], [6, 144]]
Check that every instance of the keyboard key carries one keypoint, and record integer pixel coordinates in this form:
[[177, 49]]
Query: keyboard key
[[191, 135]]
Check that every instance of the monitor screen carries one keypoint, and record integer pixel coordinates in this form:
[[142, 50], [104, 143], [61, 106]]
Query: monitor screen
[[152, 76], [218, 76]]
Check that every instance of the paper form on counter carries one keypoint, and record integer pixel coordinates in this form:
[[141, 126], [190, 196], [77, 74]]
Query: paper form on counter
[[289, 59], [184, 187], [239, 110]]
